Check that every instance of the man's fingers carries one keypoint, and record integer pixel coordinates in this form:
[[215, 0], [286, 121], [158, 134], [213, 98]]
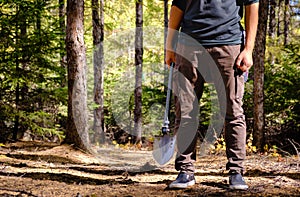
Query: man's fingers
[[170, 57], [238, 62], [244, 67]]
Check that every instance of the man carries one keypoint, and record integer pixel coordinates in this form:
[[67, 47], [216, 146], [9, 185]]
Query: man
[[215, 24]]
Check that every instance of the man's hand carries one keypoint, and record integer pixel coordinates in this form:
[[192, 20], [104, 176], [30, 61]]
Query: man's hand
[[170, 57], [244, 61]]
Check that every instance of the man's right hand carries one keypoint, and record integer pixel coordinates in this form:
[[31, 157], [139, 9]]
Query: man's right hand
[[170, 57]]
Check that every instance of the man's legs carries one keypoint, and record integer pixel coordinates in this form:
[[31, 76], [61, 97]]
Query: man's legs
[[188, 88], [235, 125]]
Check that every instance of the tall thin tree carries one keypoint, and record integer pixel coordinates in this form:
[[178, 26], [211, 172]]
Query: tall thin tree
[[21, 64], [62, 25], [76, 132], [98, 61], [272, 27], [258, 59], [166, 15], [286, 21], [138, 70], [272, 21], [279, 17]]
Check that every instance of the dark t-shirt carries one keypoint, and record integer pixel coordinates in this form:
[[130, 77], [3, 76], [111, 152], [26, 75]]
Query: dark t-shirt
[[213, 22]]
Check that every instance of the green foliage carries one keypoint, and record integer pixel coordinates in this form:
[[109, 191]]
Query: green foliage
[[207, 106], [33, 81], [282, 89], [32, 77], [41, 125]]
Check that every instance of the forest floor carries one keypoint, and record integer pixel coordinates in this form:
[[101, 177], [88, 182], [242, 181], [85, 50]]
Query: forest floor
[[51, 170]]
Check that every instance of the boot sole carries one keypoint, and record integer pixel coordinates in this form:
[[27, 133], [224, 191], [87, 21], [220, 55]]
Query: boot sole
[[182, 185], [239, 187]]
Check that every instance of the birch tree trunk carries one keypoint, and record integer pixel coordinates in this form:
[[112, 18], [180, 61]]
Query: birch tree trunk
[[138, 70]]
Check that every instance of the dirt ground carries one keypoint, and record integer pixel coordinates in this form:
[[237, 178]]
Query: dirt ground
[[44, 169]]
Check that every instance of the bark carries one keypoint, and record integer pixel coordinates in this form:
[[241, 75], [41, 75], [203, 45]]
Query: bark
[[272, 27], [17, 94], [21, 64], [259, 56], [166, 15], [98, 61], [138, 77], [279, 17], [286, 21], [272, 21], [76, 132], [62, 24]]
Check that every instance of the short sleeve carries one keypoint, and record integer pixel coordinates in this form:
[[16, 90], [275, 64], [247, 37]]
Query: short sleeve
[[249, 2], [181, 4]]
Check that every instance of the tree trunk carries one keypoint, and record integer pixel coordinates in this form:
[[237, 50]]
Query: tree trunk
[[259, 56], [272, 27], [76, 132], [279, 18], [138, 75], [17, 95], [62, 16], [21, 88], [98, 61], [62, 25], [286, 21], [166, 15], [272, 21]]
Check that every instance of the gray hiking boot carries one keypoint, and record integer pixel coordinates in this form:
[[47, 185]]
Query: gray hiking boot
[[237, 182], [183, 181]]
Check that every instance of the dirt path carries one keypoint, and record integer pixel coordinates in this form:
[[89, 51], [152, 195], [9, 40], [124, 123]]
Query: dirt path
[[39, 169]]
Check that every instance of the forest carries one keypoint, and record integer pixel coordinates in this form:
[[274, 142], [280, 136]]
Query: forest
[[83, 91]]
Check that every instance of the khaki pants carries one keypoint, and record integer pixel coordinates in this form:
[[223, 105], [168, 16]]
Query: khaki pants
[[192, 70]]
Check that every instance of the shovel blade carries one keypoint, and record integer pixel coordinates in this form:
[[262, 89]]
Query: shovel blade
[[164, 148]]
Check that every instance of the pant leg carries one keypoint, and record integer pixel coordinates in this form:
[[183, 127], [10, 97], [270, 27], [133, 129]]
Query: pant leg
[[188, 88], [235, 125]]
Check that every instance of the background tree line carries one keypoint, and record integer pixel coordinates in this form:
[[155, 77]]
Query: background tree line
[[45, 48]]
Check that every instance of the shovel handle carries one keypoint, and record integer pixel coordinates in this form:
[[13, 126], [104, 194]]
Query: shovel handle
[[165, 128]]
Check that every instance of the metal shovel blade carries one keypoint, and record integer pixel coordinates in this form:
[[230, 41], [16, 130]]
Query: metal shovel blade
[[164, 145], [164, 148]]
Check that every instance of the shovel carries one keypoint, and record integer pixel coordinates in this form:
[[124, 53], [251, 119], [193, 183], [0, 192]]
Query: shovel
[[164, 144]]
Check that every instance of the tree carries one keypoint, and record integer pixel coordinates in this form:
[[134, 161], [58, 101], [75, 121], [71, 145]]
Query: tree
[[76, 132], [259, 57], [62, 25], [20, 37], [286, 21], [279, 14], [166, 21], [272, 25], [98, 61], [272, 21], [138, 70], [30, 72]]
